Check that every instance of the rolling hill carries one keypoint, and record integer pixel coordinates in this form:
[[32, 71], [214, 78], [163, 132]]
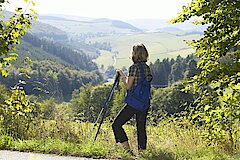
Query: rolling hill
[[42, 29], [53, 33], [78, 29], [103, 25], [153, 25]]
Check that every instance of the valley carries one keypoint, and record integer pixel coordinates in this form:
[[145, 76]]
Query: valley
[[106, 38]]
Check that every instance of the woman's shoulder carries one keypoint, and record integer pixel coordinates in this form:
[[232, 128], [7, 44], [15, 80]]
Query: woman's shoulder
[[137, 65], [145, 65], [134, 65]]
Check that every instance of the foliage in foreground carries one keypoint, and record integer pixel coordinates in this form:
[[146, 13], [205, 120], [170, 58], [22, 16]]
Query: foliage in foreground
[[16, 110], [11, 32], [218, 84], [58, 129], [168, 140]]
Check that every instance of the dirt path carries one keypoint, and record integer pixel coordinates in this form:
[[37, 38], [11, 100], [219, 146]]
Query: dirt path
[[14, 155]]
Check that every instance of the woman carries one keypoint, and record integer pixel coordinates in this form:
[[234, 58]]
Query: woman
[[139, 55]]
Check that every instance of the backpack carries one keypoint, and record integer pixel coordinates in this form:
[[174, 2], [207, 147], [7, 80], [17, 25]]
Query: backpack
[[139, 97]]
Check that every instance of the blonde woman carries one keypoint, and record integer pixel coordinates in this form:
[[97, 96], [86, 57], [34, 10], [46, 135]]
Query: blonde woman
[[139, 55]]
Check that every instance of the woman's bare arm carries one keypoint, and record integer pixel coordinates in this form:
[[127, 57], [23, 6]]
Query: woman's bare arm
[[127, 81]]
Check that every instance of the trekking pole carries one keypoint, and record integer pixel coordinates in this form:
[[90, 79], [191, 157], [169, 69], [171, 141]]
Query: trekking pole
[[103, 110]]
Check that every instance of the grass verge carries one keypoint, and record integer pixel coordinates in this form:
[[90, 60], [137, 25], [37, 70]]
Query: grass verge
[[166, 141]]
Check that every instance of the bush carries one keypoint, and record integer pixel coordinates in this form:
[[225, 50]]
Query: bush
[[18, 112]]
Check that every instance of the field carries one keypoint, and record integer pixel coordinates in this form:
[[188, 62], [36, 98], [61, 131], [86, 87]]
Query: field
[[105, 58], [159, 45]]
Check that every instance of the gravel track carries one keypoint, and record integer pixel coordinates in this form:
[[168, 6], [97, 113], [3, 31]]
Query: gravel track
[[15, 155]]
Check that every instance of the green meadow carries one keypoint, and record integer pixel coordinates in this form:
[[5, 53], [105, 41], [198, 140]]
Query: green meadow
[[159, 45]]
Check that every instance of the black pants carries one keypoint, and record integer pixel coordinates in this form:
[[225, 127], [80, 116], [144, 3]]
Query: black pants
[[123, 116]]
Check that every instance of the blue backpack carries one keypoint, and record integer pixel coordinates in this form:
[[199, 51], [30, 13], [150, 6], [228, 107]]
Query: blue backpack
[[139, 97]]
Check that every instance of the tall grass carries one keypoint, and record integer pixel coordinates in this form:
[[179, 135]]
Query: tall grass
[[166, 140]]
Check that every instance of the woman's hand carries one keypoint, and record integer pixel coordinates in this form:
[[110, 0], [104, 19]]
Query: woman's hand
[[127, 81], [122, 75], [120, 72]]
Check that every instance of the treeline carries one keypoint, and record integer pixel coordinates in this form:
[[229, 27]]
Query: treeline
[[82, 37], [73, 57], [101, 46], [168, 71], [51, 79], [88, 100]]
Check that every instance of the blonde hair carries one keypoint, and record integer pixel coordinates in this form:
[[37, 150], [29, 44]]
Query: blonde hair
[[139, 53]]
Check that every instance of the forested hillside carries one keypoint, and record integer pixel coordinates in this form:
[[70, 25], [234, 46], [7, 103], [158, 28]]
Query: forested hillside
[[51, 79], [69, 56], [56, 69], [168, 71]]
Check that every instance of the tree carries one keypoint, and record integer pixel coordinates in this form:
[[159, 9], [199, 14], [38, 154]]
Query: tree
[[169, 100], [192, 69], [80, 102], [11, 32], [88, 101], [47, 108], [118, 100], [177, 71], [219, 53], [17, 111]]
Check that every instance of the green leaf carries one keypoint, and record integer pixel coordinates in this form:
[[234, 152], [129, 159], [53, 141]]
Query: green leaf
[[10, 59], [33, 11], [33, 3], [18, 9], [23, 31], [13, 48], [207, 107], [4, 73], [237, 86], [35, 18], [28, 76], [195, 116], [8, 23]]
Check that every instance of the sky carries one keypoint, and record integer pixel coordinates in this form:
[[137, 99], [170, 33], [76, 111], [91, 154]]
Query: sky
[[113, 9]]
